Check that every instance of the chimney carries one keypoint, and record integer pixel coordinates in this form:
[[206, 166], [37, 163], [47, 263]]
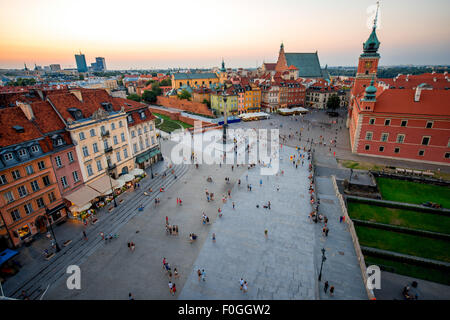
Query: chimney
[[77, 93], [26, 109], [419, 91], [434, 79]]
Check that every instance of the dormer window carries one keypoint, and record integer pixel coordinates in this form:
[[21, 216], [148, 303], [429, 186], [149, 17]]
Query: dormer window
[[143, 115], [75, 113], [34, 148], [22, 153], [107, 106], [130, 118], [19, 129], [8, 156]]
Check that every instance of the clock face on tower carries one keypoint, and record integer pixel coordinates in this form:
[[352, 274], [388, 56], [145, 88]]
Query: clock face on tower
[[368, 64]]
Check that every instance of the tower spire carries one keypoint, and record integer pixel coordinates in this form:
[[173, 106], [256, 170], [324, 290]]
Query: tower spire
[[376, 16]]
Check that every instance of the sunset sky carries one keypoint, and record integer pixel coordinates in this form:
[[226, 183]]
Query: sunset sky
[[160, 34]]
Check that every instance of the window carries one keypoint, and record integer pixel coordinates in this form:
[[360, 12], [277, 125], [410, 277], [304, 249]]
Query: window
[[425, 141], [46, 181], [105, 144], [29, 169], [41, 165], [22, 153], [145, 128], [59, 142], [143, 115], [135, 148], [51, 197], [9, 196], [115, 140], [146, 142], [34, 185], [369, 135], [118, 156], [22, 191], [40, 202], [122, 137], [130, 118], [396, 150], [89, 170], [153, 140], [151, 127], [139, 131], [367, 147], [113, 126], [404, 123], [58, 161], [447, 155], [15, 215], [64, 182], [92, 132], [372, 121], [120, 124], [384, 137], [102, 129], [400, 138], [81, 135], [70, 156], [28, 208], [75, 176], [3, 179], [8, 156], [141, 144], [133, 134], [95, 147], [387, 122], [421, 152], [381, 149], [85, 151], [16, 174], [99, 165], [34, 149], [125, 153], [429, 124]]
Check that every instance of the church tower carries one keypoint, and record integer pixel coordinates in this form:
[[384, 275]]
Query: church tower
[[281, 62], [223, 73], [368, 61]]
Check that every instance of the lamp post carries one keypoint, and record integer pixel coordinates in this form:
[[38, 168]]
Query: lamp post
[[151, 169], [351, 174], [110, 182], [47, 212], [321, 265]]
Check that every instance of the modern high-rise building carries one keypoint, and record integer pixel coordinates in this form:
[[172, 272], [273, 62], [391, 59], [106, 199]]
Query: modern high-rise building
[[81, 62], [100, 63]]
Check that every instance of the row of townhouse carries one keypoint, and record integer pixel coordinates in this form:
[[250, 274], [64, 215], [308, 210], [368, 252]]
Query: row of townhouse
[[53, 144]]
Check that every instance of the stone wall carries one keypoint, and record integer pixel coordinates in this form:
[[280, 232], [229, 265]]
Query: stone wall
[[177, 116], [185, 105]]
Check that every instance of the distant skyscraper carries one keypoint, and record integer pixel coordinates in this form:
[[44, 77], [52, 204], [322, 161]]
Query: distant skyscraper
[[55, 67], [100, 63], [81, 62]]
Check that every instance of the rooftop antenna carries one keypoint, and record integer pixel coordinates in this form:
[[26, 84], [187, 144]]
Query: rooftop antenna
[[376, 16]]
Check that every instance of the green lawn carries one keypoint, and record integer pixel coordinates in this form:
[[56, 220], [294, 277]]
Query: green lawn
[[399, 217], [170, 125], [404, 243], [410, 270], [413, 192]]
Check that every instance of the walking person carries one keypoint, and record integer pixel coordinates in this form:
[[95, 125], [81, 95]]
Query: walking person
[[233, 205], [266, 234], [199, 273], [174, 289], [203, 275], [241, 282], [331, 291], [84, 235], [175, 273], [213, 237], [170, 287], [245, 287], [130, 296]]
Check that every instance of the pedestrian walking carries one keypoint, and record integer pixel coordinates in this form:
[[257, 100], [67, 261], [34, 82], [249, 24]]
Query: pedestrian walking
[[130, 296], [102, 235], [331, 291], [167, 220], [266, 234], [214, 237], [199, 273], [171, 287], [260, 182], [203, 275], [241, 283], [268, 205], [174, 289], [245, 287], [233, 205], [325, 287], [175, 273], [84, 235]]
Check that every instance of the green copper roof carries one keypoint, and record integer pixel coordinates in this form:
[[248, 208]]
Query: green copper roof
[[372, 44], [370, 92], [307, 64]]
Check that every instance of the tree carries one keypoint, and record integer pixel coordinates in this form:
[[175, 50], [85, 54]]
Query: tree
[[184, 95], [149, 96], [165, 82], [134, 97], [333, 102], [156, 89], [149, 81]]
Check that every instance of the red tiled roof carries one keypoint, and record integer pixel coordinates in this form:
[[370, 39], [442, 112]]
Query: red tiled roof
[[431, 102], [270, 66], [292, 67], [14, 116], [46, 118]]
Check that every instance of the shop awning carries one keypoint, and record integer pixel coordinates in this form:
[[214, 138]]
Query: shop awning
[[137, 172], [147, 155], [103, 184], [126, 177], [121, 183], [80, 209], [6, 255], [82, 196]]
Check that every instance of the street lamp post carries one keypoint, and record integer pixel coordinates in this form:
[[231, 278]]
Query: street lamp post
[[47, 212], [321, 265], [110, 182]]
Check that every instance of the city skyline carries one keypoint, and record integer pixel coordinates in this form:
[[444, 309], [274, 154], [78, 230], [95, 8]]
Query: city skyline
[[162, 41]]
